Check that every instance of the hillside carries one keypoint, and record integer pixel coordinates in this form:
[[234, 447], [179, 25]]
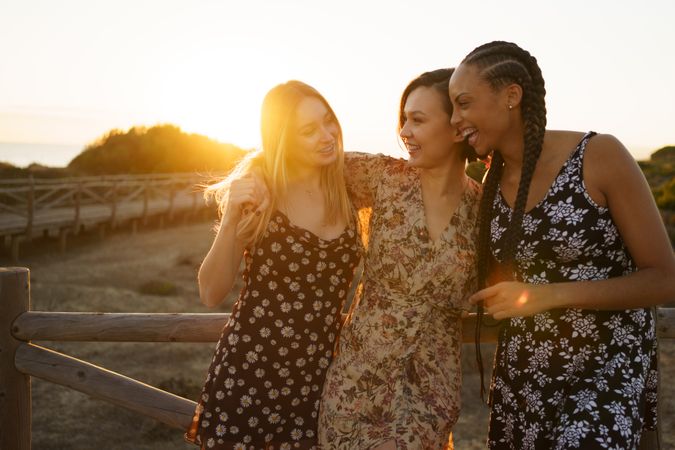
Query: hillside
[[660, 173], [140, 150], [659, 170], [159, 149]]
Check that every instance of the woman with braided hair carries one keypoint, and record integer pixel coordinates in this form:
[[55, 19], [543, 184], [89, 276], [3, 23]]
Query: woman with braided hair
[[575, 252]]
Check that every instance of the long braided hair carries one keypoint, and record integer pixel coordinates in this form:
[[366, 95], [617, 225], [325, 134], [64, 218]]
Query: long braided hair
[[501, 64]]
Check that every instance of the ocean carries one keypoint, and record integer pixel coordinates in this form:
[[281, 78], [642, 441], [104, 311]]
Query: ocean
[[53, 155]]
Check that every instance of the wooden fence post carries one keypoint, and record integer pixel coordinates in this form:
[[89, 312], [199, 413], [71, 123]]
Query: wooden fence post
[[30, 209], [78, 207], [15, 397], [146, 200], [15, 242], [172, 199], [113, 206]]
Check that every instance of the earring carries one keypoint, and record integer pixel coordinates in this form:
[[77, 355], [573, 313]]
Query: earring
[[510, 107]]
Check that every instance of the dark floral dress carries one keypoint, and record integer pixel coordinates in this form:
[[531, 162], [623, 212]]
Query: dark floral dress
[[264, 384], [397, 374], [571, 378]]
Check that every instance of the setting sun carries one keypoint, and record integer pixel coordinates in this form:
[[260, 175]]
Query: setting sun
[[205, 67], [337, 225]]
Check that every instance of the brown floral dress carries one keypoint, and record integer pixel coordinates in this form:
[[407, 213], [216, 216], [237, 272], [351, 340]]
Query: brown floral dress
[[396, 375]]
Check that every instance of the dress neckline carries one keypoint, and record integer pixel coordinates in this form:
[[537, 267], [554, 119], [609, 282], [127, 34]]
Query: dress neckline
[[580, 146], [455, 212], [308, 233]]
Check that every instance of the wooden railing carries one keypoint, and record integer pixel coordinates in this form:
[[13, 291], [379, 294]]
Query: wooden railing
[[31, 207], [20, 359]]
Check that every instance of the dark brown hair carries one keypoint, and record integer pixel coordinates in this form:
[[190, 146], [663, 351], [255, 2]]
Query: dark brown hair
[[437, 79], [501, 64]]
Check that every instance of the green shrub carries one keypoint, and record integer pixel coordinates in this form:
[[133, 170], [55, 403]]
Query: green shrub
[[665, 195], [476, 170], [159, 149]]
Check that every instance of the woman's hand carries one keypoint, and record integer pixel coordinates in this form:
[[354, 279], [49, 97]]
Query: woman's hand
[[513, 299], [246, 195]]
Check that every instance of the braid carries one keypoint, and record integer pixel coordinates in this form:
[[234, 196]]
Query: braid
[[484, 258], [502, 63], [490, 184]]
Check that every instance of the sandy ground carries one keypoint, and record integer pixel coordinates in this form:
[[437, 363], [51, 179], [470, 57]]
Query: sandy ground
[[106, 275]]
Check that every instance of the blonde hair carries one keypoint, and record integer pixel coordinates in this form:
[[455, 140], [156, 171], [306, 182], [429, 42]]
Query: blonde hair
[[272, 163]]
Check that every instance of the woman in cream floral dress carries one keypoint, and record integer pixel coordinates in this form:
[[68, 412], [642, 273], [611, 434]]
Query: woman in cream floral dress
[[395, 380]]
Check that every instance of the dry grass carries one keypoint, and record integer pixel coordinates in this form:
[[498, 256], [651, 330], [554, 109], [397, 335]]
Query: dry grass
[[106, 275]]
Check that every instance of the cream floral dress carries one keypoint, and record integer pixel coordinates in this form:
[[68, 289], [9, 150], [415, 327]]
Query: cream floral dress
[[396, 375]]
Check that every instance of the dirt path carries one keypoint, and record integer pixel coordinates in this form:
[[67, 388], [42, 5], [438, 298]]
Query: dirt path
[[109, 276]]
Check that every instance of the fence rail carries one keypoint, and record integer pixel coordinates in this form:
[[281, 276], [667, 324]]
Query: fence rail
[[33, 360], [20, 360], [31, 207]]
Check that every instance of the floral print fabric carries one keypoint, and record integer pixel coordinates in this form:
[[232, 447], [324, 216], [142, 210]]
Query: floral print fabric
[[396, 375], [571, 378], [264, 384]]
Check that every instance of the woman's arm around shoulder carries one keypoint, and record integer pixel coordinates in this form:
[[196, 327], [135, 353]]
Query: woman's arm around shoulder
[[363, 175]]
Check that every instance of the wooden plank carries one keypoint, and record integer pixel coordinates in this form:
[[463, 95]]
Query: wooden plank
[[146, 203], [104, 384], [45, 193], [95, 178], [132, 327], [14, 193], [78, 206], [30, 209], [92, 195], [15, 401], [11, 191], [66, 198], [113, 205], [19, 210], [76, 202], [132, 194], [184, 327], [148, 327]]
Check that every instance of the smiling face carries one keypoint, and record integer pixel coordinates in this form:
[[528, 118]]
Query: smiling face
[[426, 130], [314, 135], [480, 112]]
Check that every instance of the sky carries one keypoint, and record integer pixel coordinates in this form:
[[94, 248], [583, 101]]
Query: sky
[[74, 69]]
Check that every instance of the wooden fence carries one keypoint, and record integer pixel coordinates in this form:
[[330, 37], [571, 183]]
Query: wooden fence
[[31, 207], [20, 359]]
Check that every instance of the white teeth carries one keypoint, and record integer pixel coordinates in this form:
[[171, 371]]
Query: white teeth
[[412, 147], [468, 131]]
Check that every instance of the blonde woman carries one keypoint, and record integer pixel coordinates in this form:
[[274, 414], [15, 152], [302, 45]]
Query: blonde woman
[[293, 225]]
